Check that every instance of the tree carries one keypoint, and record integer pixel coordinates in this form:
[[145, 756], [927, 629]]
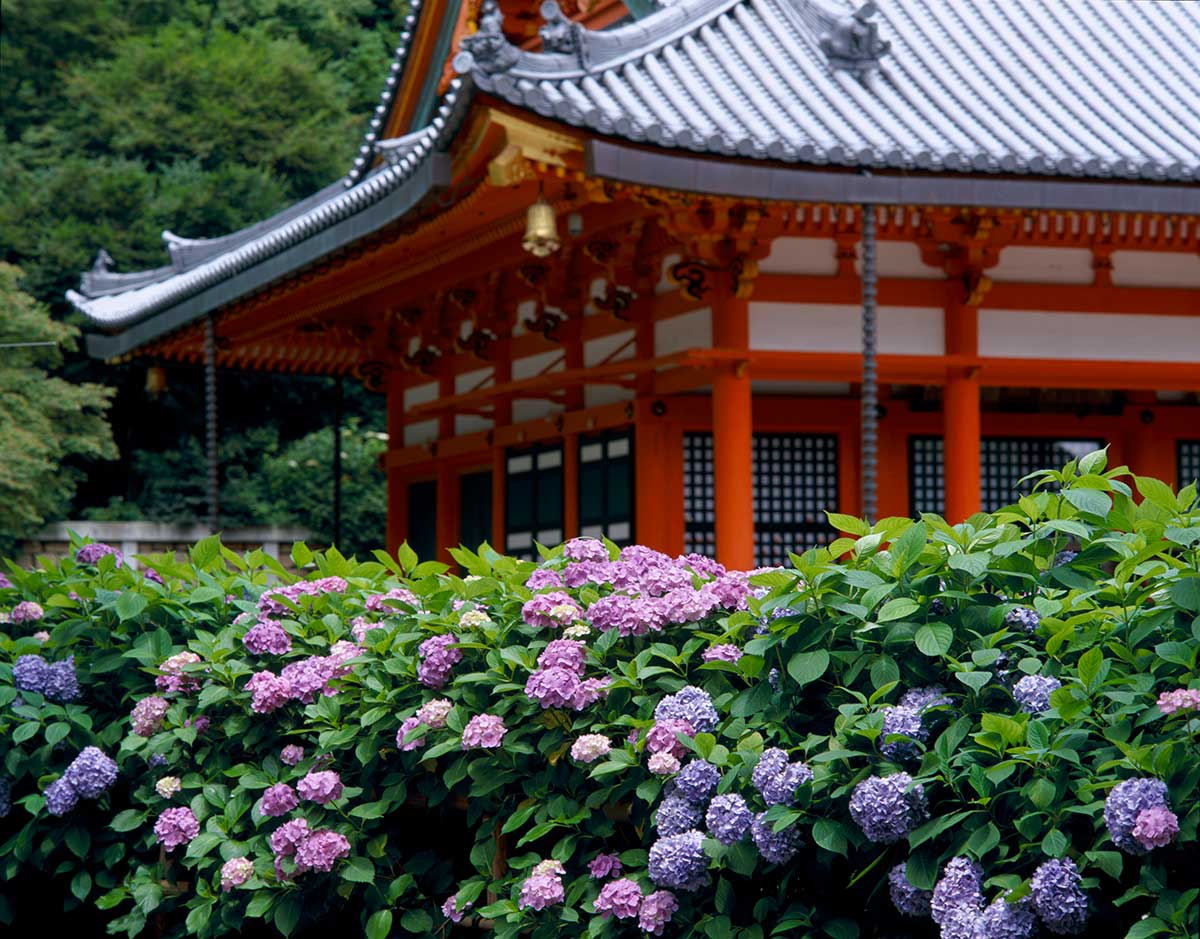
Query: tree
[[44, 421]]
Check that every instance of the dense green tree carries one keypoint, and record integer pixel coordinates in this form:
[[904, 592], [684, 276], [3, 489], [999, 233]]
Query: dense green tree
[[44, 420]]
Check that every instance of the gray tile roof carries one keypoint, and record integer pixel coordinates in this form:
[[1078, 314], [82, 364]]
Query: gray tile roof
[[1089, 88]]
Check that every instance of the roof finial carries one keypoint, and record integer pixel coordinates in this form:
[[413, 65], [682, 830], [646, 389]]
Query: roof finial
[[487, 49], [103, 263], [852, 42], [559, 33]]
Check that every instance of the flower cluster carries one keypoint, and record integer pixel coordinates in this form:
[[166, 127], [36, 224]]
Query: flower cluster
[[267, 637], [679, 862], [387, 602], [623, 899], [957, 902], [89, 776], [1023, 618], [311, 850], [235, 872], [590, 747], [604, 865], [691, 705], [176, 827], [887, 808], [725, 652], [438, 658], [906, 898], [320, 786], [1181, 699], [728, 818], [174, 678], [92, 552], [26, 612], [1138, 815], [55, 681], [558, 680], [1058, 897], [1033, 692], [551, 610], [776, 779], [147, 715], [483, 731], [280, 601], [543, 887]]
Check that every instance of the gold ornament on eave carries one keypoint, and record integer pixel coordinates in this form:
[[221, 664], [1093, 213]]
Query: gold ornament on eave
[[541, 229]]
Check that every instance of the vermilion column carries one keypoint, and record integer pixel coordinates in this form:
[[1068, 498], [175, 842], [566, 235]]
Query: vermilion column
[[733, 439], [960, 412], [397, 485]]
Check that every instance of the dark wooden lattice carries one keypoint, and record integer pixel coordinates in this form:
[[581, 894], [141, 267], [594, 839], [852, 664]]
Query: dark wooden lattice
[[699, 509], [1188, 460], [534, 502]]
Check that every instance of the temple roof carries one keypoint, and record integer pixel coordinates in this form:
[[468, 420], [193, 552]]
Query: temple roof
[[1085, 88], [1078, 88]]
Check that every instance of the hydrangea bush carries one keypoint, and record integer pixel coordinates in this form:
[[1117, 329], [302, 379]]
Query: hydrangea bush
[[981, 731]]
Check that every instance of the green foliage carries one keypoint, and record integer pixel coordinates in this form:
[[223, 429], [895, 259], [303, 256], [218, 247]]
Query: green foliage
[[827, 647], [44, 421]]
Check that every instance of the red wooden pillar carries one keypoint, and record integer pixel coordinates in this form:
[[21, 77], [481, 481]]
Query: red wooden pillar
[[397, 485], [733, 438], [960, 412], [448, 496], [573, 358]]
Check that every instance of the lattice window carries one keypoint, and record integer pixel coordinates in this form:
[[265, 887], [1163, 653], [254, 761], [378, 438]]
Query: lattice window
[[422, 519], [795, 480], [475, 509], [1188, 458], [606, 486], [533, 499], [1003, 460]]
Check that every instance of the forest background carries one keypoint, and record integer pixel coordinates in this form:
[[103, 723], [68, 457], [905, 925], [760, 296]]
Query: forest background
[[122, 119]]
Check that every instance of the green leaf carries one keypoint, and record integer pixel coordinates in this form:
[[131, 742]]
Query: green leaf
[[1186, 593], [1158, 492], [897, 608], [848, 523], [81, 885], [1012, 732], [934, 639], [359, 870], [983, 840], [302, 555], [379, 925], [829, 835], [78, 840], [417, 922], [25, 731], [205, 551], [202, 844], [130, 604], [127, 820], [807, 667], [974, 680], [1089, 666], [973, 564], [1055, 843], [1090, 501], [57, 731], [287, 915], [259, 904], [1144, 928]]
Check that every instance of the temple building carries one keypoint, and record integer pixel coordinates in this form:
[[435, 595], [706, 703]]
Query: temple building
[[692, 273]]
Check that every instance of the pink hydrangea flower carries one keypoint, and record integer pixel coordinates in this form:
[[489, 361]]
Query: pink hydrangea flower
[[451, 911], [288, 836], [235, 872], [268, 691], [1156, 827], [564, 653], [485, 731], [662, 737], [605, 865], [590, 691], [663, 764], [590, 747], [620, 898], [321, 850], [175, 827], [437, 660], [291, 754], [1181, 699], [551, 610], [552, 687], [410, 724], [390, 602], [540, 891], [174, 679], [267, 636], [656, 911], [304, 679], [726, 652], [147, 715], [323, 786], [277, 800], [41, 636], [27, 612], [433, 713], [360, 626]]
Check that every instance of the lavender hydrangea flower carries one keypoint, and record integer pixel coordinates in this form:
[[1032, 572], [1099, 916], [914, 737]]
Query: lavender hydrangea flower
[[437, 660], [725, 652], [433, 713], [676, 815], [176, 827], [961, 922], [543, 579], [1123, 806], [776, 847], [690, 704], [907, 899], [269, 692], [451, 911], [590, 747], [291, 754], [61, 684], [656, 911], [408, 725], [323, 787], [1033, 692], [604, 865], [1156, 827], [564, 653], [663, 737], [552, 687], [585, 549], [91, 773], [728, 818], [235, 872], [905, 722], [961, 885], [679, 861], [540, 891], [147, 715], [924, 698], [29, 673], [887, 808], [93, 552], [485, 731], [663, 764], [772, 762], [321, 850], [287, 837], [1004, 920], [551, 610], [27, 611], [60, 797], [620, 898], [776, 779], [277, 800], [1023, 618], [308, 677], [1058, 898], [697, 781], [267, 636]]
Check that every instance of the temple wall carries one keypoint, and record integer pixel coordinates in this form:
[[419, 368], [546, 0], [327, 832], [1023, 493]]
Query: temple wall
[[689, 331], [421, 431], [811, 327], [1127, 337]]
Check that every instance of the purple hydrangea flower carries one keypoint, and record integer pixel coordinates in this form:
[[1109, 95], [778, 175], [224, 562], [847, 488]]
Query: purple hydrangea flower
[[663, 737], [679, 861], [287, 837], [961, 922], [907, 899], [147, 715], [590, 747], [323, 786], [278, 800], [268, 691], [772, 762], [961, 885], [437, 660], [728, 818], [776, 779], [26, 611], [540, 891], [552, 687], [291, 754], [451, 911], [1033, 692], [93, 552], [386, 602], [1004, 920], [92, 773], [776, 847], [697, 781], [235, 872], [726, 652], [564, 653], [904, 722], [1023, 618], [175, 827], [543, 579], [175, 678], [308, 677], [1156, 827], [483, 731], [30, 673], [620, 898], [690, 704], [61, 684], [153, 576], [60, 797], [1058, 898], [321, 850], [887, 808], [590, 691], [656, 911], [1123, 806], [267, 636], [924, 698], [407, 727], [585, 549], [270, 602], [604, 865], [550, 610], [677, 815]]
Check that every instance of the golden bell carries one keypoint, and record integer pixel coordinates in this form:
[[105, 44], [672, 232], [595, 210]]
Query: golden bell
[[156, 380], [541, 229]]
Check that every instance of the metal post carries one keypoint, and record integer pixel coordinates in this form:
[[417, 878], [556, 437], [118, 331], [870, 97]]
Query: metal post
[[210, 422], [338, 401], [870, 377]]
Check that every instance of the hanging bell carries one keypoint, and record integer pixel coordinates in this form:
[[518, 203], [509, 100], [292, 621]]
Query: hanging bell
[[541, 229], [156, 380]]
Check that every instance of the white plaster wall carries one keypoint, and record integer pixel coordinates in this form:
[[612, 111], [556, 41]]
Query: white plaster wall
[[420, 394], [525, 310], [800, 256], [1135, 338], [1043, 265], [469, 381], [596, 395], [532, 409], [532, 365], [902, 259], [597, 350], [470, 424], [1156, 269], [422, 432], [689, 331], [664, 284], [811, 327]]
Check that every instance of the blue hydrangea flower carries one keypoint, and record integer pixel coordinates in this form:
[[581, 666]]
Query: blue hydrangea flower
[[61, 684], [1123, 805], [906, 722], [678, 862], [690, 704], [961, 885], [1058, 899], [1004, 920], [907, 899], [30, 673], [728, 818], [776, 779], [60, 797], [91, 773], [773, 679], [1023, 618], [770, 764], [1033, 692], [924, 698], [887, 808], [697, 781], [961, 922], [777, 847], [677, 815]]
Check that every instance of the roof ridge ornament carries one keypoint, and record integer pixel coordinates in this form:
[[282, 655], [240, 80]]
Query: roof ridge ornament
[[851, 41], [487, 49], [559, 32]]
